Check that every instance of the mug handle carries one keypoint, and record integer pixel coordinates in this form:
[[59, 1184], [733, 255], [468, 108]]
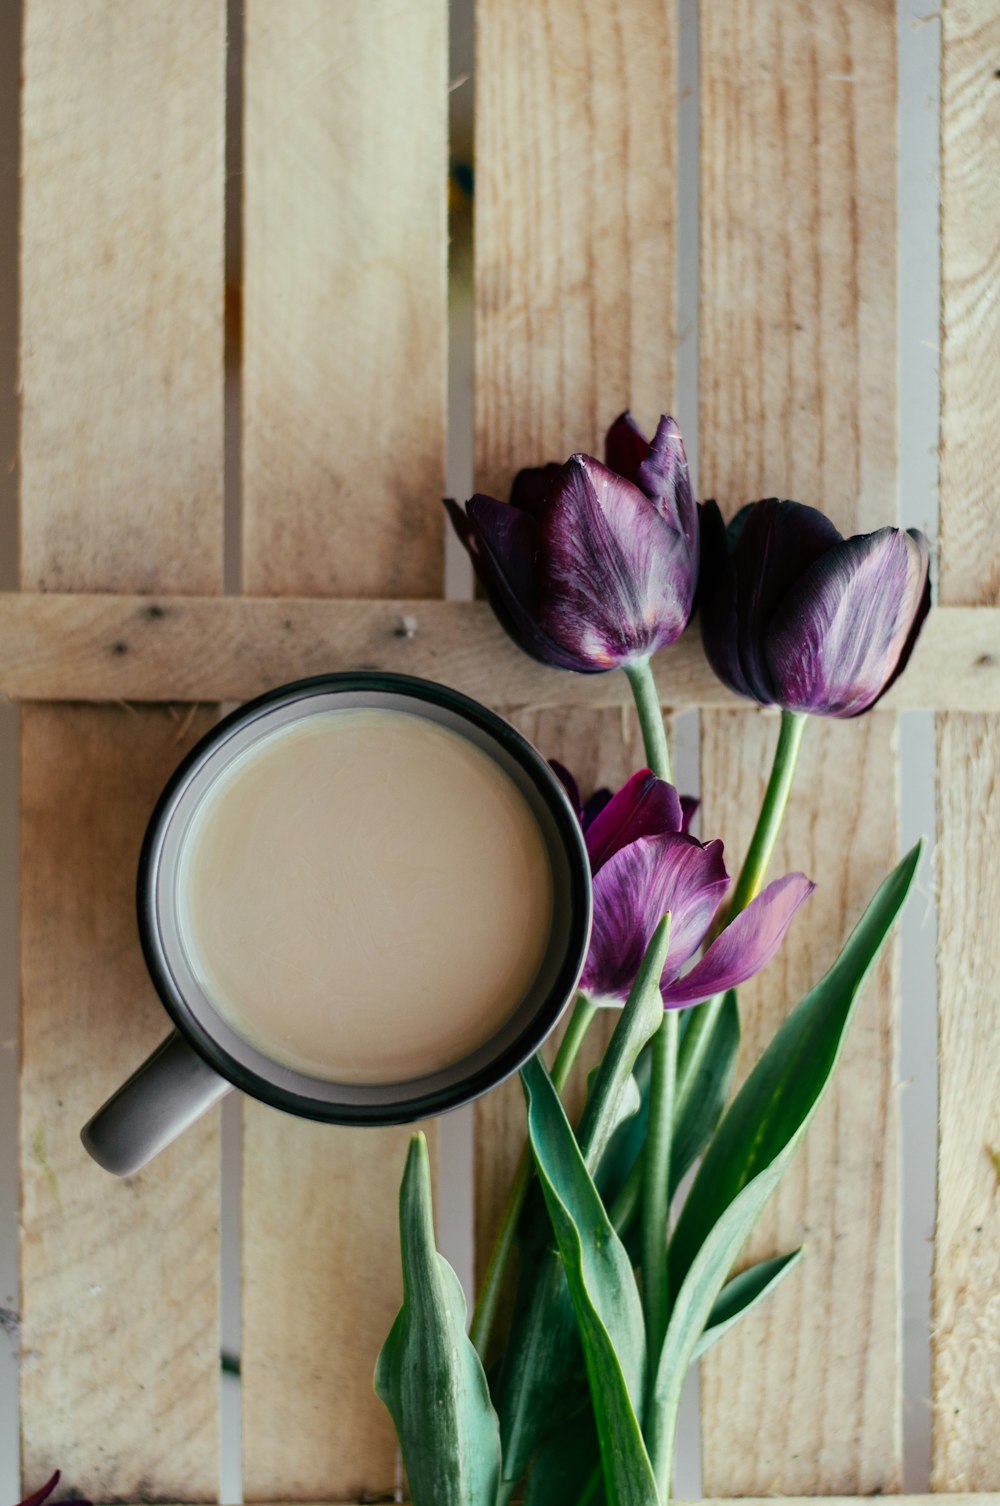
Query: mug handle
[[171, 1089]]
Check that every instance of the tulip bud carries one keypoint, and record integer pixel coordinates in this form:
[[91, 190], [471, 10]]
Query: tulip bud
[[795, 615], [589, 567]]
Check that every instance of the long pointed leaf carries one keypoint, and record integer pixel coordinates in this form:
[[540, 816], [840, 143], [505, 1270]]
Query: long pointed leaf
[[564, 1461], [602, 1289], [742, 1293], [756, 1141], [543, 1352], [429, 1374]]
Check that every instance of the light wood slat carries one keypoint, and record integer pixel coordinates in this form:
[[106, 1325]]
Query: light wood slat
[[121, 370], [182, 648], [575, 208], [575, 320], [345, 259], [343, 470], [821, 1353], [119, 1280], [966, 1326], [798, 398], [966, 1283], [601, 748]]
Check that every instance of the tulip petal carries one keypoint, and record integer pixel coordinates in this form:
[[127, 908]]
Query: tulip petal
[[745, 946], [644, 807], [778, 542], [717, 602], [531, 487], [633, 891], [592, 808], [503, 544], [689, 809], [619, 582], [923, 607], [665, 477], [838, 637], [570, 785], [626, 447]]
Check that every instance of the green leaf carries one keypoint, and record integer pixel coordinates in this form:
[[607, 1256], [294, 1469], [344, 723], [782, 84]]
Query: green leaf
[[754, 1144], [428, 1374], [565, 1460], [542, 1355], [705, 1066], [742, 1293], [602, 1289]]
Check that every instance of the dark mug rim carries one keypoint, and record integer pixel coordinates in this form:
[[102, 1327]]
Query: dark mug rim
[[481, 1079]]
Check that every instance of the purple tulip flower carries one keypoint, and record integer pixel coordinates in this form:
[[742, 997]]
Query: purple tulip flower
[[795, 615], [644, 864], [588, 566]]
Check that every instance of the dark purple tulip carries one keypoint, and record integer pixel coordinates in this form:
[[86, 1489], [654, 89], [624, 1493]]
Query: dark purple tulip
[[795, 615], [644, 863], [591, 566]]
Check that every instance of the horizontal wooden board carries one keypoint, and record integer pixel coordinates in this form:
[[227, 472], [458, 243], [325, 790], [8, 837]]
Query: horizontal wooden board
[[195, 648]]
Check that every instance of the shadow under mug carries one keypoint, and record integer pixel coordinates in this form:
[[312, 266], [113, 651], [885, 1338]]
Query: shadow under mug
[[204, 1057]]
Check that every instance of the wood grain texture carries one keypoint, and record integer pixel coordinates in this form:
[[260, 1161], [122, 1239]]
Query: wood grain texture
[[121, 463], [798, 399], [345, 256], [823, 1352], [575, 209], [183, 648], [966, 1283], [120, 1280], [966, 1291], [970, 305], [121, 254], [798, 266], [601, 748], [343, 446], [321, 1288]]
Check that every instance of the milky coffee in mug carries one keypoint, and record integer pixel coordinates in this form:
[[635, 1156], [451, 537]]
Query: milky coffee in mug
[[362, 898]]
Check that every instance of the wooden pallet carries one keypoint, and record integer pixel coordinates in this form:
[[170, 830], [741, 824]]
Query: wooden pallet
[[341, 428]]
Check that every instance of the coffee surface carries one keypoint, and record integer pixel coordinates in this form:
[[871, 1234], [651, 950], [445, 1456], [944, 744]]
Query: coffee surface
[[365, 896]]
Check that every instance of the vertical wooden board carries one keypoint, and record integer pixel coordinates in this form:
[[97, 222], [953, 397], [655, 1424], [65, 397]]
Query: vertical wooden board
[[966, 1327], [804, 1394], [121, 256], [574, 316], [601, 748], [970, 308], [343, 470], [345, 258], [966, 1291], [798, 398], [120, 1282], [574, 232], [321, 1289], [121, 462]]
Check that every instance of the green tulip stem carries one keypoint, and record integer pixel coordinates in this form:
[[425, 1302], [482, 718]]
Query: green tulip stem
[[656, 1186], [484, 1316], [647, 703], [772, 812]]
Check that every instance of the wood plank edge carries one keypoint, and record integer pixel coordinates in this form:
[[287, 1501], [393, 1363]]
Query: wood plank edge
[[104, 647]]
